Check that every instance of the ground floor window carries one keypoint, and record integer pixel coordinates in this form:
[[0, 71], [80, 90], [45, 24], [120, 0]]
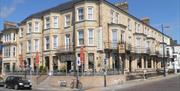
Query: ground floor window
[[47, 62], [139, 63], [149, 63], [55, 63], [91, 60], [7, 67]]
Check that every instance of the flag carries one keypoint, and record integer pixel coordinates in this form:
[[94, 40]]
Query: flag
[[82, 55], [37, 58], [21, 61]]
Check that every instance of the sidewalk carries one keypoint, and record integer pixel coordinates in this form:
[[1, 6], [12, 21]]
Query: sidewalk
[[110, 88], [133, 83]]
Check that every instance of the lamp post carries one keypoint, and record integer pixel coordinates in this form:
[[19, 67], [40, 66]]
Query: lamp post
[[164, 62]]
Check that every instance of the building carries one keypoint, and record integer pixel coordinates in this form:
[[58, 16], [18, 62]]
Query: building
[[1, 52], [99, 28], [9, 50], [174, 64]]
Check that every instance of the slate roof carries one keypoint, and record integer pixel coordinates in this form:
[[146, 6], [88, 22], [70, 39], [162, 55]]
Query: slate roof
[[58, 8]]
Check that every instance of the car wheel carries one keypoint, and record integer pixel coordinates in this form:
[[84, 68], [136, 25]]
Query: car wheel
[[16, 87], [30, 88]]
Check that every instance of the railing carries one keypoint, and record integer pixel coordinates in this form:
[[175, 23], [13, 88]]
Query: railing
[[121, 47], [65, 48], [141, 50], [110, 45]]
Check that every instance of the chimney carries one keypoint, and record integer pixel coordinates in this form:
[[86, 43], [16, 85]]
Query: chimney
[[8, 24], [122, 5], [145, 20]]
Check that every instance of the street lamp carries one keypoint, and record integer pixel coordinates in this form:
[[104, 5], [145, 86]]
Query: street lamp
[[164, 62]]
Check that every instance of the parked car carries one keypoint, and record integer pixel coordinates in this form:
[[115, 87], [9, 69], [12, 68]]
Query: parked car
[[17, 82], [1, 81]]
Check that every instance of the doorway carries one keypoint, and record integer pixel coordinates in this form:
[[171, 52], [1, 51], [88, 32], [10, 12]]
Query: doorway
[[68, 66], [47, 62]]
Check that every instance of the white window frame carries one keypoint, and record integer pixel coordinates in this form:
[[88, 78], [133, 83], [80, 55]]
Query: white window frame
[[90, 15], [67, 44], [67, 21], [45, 41], [116, 17], [47, 23], [90, 37], [55, 21], [99, 39], [36, 26], [79, 38], [78, 14], [114, 30], [29, 46], [29, 30], [129, 24], [36, 46], [14, 51], [55, 45]]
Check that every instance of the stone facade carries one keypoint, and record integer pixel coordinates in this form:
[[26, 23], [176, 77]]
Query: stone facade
[[103, 30]]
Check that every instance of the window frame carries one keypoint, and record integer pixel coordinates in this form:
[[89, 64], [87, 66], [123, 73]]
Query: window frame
[[90, 13], [79, 14], [55, 22], [55, 38], [90, 37], [67, 21], [36, 26], [47, 23], [82, 39], [29, 30]]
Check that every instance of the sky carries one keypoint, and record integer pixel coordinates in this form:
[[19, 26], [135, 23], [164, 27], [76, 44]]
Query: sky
[[166, 12]]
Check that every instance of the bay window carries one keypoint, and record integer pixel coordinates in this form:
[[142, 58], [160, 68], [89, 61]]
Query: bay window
[[47, 22], [90, 13], [67, 20], [114, 38], [90, 36], [36, 45], [36, 26], [28, 45], [29, 27], [80, 37], [47, 45], [55, 19], [55, 41], [80, 14]]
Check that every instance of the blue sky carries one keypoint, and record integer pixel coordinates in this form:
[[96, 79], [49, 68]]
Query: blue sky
[[165, 12]]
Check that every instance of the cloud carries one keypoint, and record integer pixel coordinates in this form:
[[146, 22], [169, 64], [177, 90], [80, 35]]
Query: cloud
[[7, 10]]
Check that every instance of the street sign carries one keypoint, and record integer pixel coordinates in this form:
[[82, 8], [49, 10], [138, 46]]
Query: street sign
[[78, 61]]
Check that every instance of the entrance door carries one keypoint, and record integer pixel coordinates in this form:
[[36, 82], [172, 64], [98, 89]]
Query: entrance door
[[47, 62], [68, 66]]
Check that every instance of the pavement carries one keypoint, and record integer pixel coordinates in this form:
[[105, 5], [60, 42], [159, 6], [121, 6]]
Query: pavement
[[158, 83], [146, 84]]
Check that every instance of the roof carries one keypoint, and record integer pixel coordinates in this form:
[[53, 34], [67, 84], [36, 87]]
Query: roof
[[70, 4], [58, 8], [134, 17]]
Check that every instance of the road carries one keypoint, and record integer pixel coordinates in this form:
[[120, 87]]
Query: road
[[157, 84], [172, 84]]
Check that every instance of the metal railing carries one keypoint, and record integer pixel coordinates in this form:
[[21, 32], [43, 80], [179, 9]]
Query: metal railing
[[65, 48]]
